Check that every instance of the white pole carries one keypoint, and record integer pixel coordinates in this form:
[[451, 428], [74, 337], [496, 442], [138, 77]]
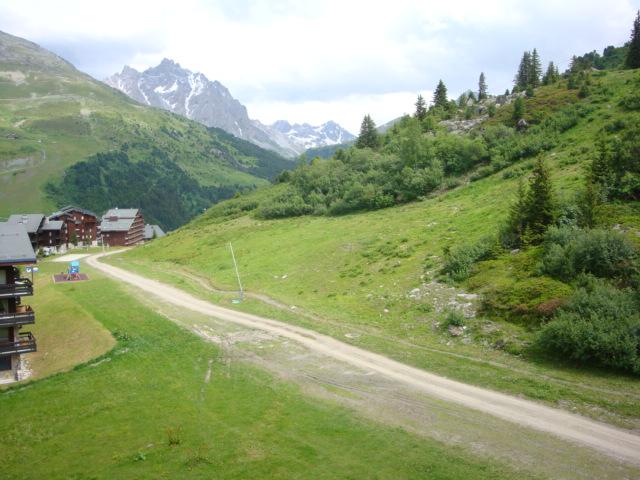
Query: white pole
[[237, 273]]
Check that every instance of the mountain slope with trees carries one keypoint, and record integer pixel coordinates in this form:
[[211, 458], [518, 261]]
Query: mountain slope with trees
[[52, 116]]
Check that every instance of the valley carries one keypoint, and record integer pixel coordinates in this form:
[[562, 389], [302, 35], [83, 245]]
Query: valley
[[451, 294]]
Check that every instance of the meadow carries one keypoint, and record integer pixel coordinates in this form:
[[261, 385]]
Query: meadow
[[161, 404]]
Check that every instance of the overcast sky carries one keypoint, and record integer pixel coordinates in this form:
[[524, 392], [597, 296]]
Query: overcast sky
[[324, 60]]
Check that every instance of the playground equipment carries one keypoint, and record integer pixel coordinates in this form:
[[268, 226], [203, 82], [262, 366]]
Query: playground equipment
[[73, 273]]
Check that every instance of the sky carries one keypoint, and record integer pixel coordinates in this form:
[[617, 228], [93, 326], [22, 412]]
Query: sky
[[314, 61]]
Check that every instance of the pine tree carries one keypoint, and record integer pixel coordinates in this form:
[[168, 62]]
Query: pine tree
[[535, 70], [540, 208], [421, 108], [517, 217], [368, 137], [518, 110], [588, 202], [482, 87], [551, 75], [600, 171], [440, 96], [574, 64], [522, 77], [633, 54]]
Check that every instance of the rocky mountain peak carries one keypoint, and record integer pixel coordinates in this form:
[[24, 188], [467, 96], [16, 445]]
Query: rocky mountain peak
[[193, 95]]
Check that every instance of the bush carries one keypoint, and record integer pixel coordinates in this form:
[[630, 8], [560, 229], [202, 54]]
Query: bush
[[458, 261], [287, 204], [454, 318], [599, 325], [569, 252], [631, 102]]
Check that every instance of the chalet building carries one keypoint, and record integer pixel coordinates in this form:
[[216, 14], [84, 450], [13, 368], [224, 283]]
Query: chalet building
[[122, 227], [81, 225], [152, 231], [31, 222], [53, 234], [15, 251]]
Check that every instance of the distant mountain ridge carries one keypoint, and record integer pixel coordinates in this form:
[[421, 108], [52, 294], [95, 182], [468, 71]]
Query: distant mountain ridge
[[327, 134], [193, 95]]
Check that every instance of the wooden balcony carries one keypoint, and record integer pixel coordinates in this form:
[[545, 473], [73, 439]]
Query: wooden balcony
[[21, 288], [25, 317], [26, 343]]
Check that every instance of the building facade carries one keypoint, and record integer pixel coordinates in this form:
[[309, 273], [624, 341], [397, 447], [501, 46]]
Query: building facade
[[15, 253], [31, 222], [122, 227], [53, 234], [81, 225]]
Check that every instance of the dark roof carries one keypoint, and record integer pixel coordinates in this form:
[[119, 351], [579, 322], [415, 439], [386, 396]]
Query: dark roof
[[71, 208], [121, 225], [52, 225], [15, 246], [121, 213], [30, 221], [150, 229]]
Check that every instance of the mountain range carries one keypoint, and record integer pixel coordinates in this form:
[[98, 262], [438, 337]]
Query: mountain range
[[193, 95], [62, 132]]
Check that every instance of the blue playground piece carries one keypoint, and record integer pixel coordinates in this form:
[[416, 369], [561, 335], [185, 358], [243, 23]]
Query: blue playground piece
[[74, 270]]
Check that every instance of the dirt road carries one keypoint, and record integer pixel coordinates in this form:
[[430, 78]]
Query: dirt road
[[603, 438]]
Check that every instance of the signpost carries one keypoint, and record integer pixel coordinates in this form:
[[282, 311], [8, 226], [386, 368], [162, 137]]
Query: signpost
[[237, 275], [31, 270]]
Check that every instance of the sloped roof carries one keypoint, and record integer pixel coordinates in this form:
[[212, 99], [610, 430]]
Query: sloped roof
[[15, 246], [52, 225], [120, 225], [72, 208], [30, 221], [150, 229], [121, 213]]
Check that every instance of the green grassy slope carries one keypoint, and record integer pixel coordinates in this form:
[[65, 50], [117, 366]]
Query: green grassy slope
[[52, 116], [145, 410], [355, 273]]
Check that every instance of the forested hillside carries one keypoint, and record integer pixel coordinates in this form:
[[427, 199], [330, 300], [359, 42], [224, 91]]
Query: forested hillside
[[52, 116]]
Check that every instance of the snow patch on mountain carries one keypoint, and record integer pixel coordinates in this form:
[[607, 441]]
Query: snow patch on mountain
[[171, 87]]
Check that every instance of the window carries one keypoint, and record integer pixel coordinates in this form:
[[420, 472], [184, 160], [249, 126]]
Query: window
[[5, 363]]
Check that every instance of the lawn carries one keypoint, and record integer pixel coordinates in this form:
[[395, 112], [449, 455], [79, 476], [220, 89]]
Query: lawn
[[145, 410], [66, 333]]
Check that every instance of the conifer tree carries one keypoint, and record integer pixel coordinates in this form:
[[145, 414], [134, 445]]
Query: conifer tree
[[535, 70], [540, 208], [522, 77], [440, 96], [517, 215], [482, 87], [633, 54], [421, 108], [588, 201], [518, 110], [600, 171], [551, 75], [368, 137]]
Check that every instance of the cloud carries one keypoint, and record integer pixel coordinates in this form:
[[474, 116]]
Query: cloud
[[322, 58]]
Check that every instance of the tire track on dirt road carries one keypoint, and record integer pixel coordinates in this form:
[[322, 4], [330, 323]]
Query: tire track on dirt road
[[609, 440]]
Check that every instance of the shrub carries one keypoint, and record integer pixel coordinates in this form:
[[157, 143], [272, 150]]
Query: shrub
[[288, 204], [631, 102], [454, 318], [569, 252], [599, 325], [458, 261]]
